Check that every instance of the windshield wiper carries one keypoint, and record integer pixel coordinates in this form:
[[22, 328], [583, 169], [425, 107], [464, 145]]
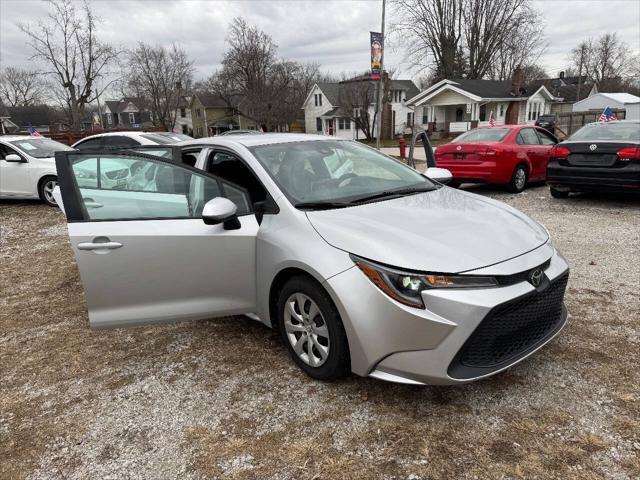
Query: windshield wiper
[[394, 193], [322, 205]]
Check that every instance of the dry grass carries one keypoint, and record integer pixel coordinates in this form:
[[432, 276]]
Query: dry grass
[[220, 399]]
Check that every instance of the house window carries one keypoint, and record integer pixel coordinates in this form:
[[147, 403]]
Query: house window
[[534, 110], [109, 119], [198, 113], [318, 99], [318, 124], [183, 112], [409, 119], [132, 118], [344, 124]]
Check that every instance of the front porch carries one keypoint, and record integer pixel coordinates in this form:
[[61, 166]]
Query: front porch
[[461, 117]]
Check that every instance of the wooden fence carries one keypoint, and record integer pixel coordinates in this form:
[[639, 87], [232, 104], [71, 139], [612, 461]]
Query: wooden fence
[[569, 122], [69, 137]]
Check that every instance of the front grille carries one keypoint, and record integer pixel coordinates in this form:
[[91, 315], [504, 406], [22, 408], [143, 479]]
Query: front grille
[[512, 329]]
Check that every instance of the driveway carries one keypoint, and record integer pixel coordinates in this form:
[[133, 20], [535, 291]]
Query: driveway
[[220, 398]]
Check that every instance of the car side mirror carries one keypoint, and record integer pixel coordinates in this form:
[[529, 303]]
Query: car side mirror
[[441, 175], [12, 157], [221, 210]]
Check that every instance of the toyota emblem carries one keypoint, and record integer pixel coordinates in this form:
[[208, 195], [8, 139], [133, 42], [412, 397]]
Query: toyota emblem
[[535, 277], [459, 147], [593, 146]]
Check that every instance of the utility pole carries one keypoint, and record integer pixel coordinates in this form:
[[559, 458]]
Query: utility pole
[[582, 49], [381, 83]]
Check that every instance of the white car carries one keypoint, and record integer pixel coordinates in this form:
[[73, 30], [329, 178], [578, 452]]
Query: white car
[[28, 167], [128, 139]]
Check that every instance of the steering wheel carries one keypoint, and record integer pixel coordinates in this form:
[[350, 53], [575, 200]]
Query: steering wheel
[[343, 178]]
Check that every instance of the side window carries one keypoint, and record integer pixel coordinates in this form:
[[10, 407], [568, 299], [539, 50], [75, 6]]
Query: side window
[[545, 138], [122, 187], [6, 150], [116, 141], [91, 144], [229, 167], [528, 136]]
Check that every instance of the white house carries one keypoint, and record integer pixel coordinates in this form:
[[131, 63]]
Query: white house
[[324, 115], [458, 105], [617, 101], [182, 115]]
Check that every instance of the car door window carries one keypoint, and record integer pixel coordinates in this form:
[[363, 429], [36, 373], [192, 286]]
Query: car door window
[[528, 136], [240, 177], [118, 141], [6, 150], [545, 138], [91, 144], [128, 187]]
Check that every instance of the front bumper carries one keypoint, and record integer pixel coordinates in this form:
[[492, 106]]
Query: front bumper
[[394, 342], [625, 178]]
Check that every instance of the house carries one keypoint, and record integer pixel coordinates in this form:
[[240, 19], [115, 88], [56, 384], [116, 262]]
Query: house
[[6, 125], [567, 91], [127, 113], [41, 117], [183, 121], [211, 115], [327, 104], [626, 102], [458, 105]]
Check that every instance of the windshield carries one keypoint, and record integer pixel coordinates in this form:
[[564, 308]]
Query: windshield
[[40, 147], [483, 135], [166, 138], [608, 131], [335, 171]]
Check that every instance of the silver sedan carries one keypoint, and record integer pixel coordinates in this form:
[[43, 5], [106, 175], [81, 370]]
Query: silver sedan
[[361, 263]]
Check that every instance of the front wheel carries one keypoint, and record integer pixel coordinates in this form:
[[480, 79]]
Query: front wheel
[[518, 180], [45, 190], [312, 329]]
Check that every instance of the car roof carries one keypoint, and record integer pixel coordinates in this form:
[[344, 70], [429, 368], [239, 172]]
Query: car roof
[[111, 134], [255, 140], [9, 138]]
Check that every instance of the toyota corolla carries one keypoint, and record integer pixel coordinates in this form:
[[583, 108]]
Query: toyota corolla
[[372, 268]]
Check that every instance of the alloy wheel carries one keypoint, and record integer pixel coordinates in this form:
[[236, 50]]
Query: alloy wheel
[[306, 329], [521, 178], [47, 190]]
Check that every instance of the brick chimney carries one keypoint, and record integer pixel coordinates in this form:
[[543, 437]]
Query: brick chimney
[[517, 81]]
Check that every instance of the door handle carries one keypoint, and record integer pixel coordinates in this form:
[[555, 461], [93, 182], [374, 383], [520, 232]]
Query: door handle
[[92, 204], [99, 245]]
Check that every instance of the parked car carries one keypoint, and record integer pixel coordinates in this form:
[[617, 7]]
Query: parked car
[[510, 155], [27, 167], [374, 269], [548, 122], [598, 157], [129, 139]]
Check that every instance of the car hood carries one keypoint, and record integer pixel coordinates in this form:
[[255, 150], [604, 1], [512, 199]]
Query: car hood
[[445, 230]]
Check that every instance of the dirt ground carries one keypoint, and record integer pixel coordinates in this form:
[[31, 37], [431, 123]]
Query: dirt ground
[[221, 399]]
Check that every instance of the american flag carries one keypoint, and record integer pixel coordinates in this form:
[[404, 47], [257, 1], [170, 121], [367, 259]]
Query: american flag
[[607, 115], [492, 119], [33, 132]]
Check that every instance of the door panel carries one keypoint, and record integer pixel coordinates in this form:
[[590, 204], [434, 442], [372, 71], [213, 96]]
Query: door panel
[[143, 251], [15, 177], [166, 270]]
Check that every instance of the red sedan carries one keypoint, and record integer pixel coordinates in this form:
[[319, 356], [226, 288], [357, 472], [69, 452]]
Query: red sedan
[[510, 155]]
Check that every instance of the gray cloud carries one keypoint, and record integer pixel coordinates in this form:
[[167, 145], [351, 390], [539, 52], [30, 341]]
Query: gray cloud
[[333, 33]]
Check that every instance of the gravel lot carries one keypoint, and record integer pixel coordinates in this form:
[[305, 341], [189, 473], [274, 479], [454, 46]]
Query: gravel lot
[[221, 399]]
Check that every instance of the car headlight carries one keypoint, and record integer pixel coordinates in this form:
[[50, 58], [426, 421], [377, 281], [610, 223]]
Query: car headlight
[[405, 287]]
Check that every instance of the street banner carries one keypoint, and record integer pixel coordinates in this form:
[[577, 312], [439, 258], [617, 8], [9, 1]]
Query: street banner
[[376, 54]]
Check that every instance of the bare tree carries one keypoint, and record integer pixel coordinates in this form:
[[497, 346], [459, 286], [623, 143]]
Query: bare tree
[[354, 98], [604, 60], [20, 87], [464, 38], [160, 76], [66, 41], [432, 31], [255, 83]]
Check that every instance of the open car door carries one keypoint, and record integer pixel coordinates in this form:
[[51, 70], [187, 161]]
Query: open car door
[[143, 251]]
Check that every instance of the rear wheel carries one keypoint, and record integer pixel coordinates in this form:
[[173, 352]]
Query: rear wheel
[[45, 190], [555, 193], [518, 179], [312, 329]]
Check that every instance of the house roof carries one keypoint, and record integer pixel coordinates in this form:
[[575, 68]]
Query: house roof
[[118, 106], [567, 91], [331, 90], [485, 88], [211, 100], [34, 115], [407, 85], [624, 98]]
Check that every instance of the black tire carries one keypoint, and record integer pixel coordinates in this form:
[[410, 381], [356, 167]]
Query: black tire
[[558, 193], [338, 363], [516, 185], [44, 190]]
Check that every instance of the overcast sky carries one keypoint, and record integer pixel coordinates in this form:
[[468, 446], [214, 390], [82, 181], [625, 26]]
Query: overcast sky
[[333, 33]]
